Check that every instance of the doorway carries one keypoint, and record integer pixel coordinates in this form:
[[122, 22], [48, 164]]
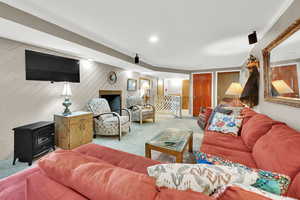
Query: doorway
[[185, 94], [160, 88], [224, 79], [202, 92]]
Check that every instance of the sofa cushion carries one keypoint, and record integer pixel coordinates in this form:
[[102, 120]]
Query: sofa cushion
[[247, 114], [39, 186], [172, 194], [242, 157], [232, 192], [228, 124], [97, 179], [279, 151], [223, 140], [256, 127], [243, 192], [118, 158], [294, 189]]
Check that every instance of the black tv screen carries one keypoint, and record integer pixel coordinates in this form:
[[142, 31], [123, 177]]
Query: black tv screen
[[45, 67]]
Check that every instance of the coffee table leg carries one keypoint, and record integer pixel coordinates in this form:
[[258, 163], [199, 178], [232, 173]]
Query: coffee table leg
[[147, 151], [179, 158], [191, 144]]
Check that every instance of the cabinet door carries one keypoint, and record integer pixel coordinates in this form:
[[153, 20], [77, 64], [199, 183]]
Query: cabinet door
[[87, 130], [75, 132], [81, 130]]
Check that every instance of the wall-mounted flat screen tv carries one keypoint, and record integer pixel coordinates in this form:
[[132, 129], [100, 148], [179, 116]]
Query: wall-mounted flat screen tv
[[45, 67]]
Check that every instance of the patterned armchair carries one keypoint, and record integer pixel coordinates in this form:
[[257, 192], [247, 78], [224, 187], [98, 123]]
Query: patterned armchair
[[107, 122], [140, 111]]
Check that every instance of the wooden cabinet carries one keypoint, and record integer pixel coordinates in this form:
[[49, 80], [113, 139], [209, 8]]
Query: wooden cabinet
[[73, 130]]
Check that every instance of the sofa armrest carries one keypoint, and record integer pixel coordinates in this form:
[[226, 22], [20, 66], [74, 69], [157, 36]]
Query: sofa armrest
[[110, 113], [152, 106], [136, 107]]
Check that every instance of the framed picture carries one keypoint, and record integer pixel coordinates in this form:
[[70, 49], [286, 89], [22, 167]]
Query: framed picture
[[145, 83], [131, 85]]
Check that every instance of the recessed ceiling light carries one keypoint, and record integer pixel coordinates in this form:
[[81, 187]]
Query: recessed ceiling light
[[153, 39], [91, 60]]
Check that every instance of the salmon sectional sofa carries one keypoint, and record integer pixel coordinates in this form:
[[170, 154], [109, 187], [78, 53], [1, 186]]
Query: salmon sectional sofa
[[263, 143]]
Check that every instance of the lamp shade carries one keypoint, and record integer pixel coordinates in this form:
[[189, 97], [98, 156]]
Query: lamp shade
[[67, 90], [234, 89], [281, 87]]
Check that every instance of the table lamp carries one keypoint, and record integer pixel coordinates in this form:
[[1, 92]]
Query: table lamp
[[235, 89], [67, 93], [281, 87]]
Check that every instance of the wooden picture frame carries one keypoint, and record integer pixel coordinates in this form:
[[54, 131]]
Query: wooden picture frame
[[142, 80], [267, 72], [131, 84]]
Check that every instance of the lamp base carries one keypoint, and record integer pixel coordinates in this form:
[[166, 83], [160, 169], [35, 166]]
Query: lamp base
[[67, 103]]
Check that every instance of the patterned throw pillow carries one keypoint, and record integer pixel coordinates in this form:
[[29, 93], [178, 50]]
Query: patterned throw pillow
[[267, 181], [235, 110], [229, 124], [219, 109], [268, 195], [199, 178]]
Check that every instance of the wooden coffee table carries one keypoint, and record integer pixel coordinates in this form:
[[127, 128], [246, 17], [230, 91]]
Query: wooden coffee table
[[171, 141]]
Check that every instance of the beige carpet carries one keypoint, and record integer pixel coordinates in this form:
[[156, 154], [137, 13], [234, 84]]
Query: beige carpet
[[133, 142]]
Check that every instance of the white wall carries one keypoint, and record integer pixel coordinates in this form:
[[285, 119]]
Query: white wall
[[173, 86], [25, 102], [298, 75], [288, 114]]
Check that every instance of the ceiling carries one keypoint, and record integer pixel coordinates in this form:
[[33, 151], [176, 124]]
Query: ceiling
[[192, 35]]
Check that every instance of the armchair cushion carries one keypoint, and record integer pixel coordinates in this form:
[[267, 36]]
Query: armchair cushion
[[114, 120], [146, 112]]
